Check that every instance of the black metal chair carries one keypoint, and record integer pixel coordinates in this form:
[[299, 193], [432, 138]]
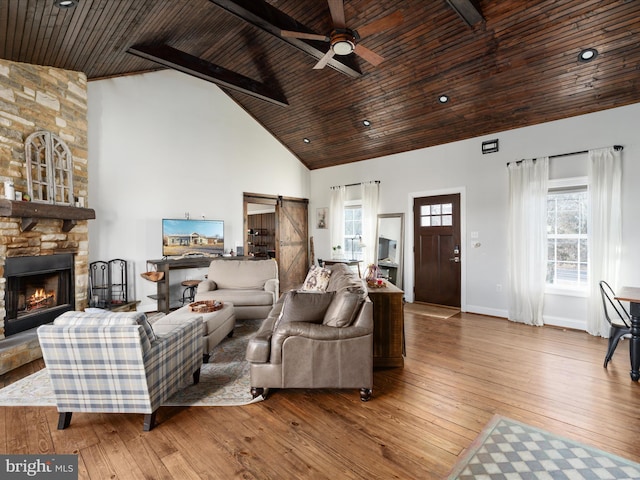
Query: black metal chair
[[620, 321]]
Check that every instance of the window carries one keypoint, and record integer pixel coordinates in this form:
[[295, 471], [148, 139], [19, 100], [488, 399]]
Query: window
[[353, 232], [567, 241]]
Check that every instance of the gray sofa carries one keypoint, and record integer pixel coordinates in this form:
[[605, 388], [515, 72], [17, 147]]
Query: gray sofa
[[317, 340], [251, 285]]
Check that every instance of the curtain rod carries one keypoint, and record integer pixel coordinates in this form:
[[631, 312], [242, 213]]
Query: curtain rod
[[617, 148], [353, 184]]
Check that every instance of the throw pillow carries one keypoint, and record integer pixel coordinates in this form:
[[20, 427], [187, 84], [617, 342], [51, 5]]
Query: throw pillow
[[317, 280], [304, 307], [343, 310]]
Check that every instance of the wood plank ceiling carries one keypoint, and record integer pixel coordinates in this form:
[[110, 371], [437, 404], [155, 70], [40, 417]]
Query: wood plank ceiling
[[518, 67]]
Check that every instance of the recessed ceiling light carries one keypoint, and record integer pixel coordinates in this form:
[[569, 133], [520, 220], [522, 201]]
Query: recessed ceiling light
[[66, 3], [443, 98], [306, 140], [587, 55], [366, 123]]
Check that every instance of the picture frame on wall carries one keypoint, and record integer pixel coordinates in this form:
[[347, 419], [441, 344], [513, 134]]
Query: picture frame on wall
[[322, 217]]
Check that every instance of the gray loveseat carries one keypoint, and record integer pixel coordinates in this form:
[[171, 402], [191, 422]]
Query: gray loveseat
[[251, 285], [317, 340]]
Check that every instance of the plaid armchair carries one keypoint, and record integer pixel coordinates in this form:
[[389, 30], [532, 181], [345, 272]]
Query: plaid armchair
[[114, 363]]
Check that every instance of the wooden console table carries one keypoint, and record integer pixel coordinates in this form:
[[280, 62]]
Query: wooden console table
[[166, 265], [388, 326]]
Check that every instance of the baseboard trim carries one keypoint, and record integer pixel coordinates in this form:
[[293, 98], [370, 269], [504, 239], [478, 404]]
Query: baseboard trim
[[565, 323], [572, 323], [492, 312]]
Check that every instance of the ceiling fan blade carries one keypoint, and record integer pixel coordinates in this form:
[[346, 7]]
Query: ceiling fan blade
[[381, 24], [370, 56], [336, 7], [324, 60], [304, 36]]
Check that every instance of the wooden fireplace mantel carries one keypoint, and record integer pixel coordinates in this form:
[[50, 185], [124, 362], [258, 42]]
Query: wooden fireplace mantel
[[31, 212]]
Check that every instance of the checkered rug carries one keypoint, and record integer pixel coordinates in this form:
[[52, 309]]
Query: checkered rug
[[510, 450]]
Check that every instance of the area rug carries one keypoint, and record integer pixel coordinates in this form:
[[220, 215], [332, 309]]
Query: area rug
[[510, 450], [431, 310], [224, 381]]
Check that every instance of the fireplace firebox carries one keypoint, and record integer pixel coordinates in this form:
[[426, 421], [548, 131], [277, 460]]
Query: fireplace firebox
[[38, 289]]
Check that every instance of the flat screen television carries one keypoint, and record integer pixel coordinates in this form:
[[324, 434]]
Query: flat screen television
[[183, 237]]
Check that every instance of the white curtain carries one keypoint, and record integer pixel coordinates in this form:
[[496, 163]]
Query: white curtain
[[336, 213], [370, 194], [527, 245], [605, 231]]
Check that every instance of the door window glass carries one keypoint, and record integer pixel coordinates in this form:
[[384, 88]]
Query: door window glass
[[437, 215]]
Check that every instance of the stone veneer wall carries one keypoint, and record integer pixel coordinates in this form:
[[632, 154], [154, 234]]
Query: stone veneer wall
[[34, 98]]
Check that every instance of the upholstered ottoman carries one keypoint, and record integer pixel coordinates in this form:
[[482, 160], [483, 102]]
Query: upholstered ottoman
[[216, 325]]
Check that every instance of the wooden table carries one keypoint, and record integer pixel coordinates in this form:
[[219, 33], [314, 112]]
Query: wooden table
[[388, 326], [166, 265], [632, 295]]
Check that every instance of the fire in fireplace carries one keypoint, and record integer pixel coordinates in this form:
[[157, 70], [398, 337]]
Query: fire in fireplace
[[40, 298], [38, 289]]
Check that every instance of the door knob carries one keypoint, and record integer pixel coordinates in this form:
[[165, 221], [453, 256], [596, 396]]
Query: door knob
[[455, 259]]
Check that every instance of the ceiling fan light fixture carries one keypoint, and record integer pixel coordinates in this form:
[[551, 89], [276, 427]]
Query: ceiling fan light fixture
[[65, 3], [343, 47], [587, 55], [343, 42]]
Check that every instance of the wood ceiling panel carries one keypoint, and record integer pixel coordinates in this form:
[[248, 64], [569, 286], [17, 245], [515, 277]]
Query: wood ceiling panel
[[519, 67]]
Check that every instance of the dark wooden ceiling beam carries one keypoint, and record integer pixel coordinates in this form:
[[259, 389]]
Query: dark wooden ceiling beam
[[197, 67], [271, 20], [467, 10]]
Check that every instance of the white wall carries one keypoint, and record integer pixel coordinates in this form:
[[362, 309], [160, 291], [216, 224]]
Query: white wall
[[482, 180], [162, 144]]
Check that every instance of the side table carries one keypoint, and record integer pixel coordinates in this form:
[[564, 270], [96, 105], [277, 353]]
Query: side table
[[388, 326], [124, 307]]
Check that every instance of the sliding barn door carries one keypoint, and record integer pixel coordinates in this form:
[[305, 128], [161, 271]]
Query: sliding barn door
[[292, 234]]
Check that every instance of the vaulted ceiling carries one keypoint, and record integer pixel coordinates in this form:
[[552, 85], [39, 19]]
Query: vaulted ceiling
[[516, 65]]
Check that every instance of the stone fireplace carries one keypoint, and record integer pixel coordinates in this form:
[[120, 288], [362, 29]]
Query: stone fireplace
[[38, 98], [46, 250]]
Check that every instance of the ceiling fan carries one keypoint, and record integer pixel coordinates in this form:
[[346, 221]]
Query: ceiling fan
[[345, 40]]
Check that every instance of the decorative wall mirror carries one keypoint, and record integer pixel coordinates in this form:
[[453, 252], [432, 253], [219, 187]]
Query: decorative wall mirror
[[389, 255], [49, 165]]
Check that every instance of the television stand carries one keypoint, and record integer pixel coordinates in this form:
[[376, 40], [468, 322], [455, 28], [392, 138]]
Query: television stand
[[166, 265]]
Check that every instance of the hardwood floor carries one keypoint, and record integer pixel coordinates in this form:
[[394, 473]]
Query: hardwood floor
[[458, 373]]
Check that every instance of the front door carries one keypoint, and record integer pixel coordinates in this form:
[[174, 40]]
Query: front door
[[437, 249]]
